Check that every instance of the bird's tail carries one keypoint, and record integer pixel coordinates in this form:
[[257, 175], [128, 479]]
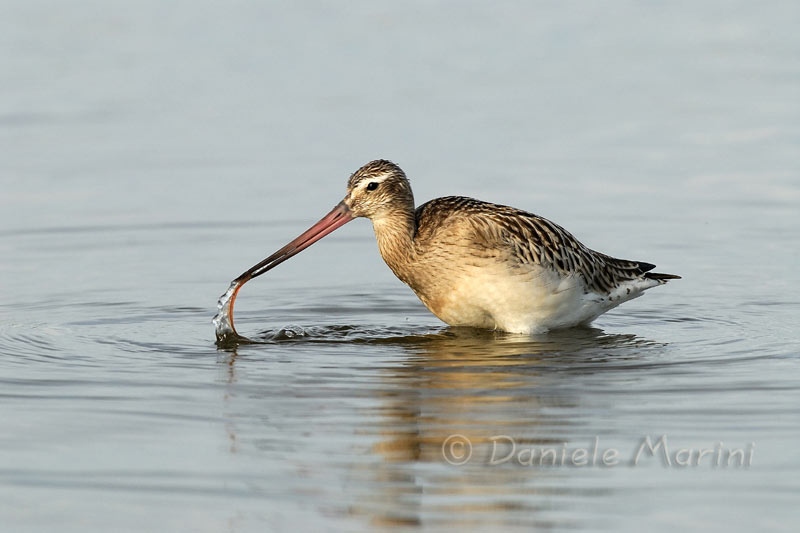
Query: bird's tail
[[655, 276], [661, 278]]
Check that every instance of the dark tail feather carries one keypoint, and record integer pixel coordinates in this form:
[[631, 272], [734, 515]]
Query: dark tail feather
[[660, 277]]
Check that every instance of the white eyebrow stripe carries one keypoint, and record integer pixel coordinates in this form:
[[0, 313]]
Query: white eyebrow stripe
[[374, 179]]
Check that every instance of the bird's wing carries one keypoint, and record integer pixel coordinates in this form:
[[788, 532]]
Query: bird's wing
[[528, 239]]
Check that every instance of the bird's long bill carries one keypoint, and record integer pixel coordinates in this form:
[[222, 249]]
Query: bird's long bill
[[338, 217]]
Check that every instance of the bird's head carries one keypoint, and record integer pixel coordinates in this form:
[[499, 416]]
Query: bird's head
[[378, 189]]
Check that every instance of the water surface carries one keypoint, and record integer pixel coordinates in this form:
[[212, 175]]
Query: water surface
[[153, 151]]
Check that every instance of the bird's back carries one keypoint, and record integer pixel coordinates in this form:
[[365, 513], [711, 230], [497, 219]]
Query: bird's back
[[529, 239]]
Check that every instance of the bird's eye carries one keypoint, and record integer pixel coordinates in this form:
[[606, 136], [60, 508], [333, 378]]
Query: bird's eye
[[372, 185]]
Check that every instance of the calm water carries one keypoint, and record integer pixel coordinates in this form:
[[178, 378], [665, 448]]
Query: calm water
[[151, 151]]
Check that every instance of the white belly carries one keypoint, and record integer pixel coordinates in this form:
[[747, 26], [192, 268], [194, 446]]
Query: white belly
[[523, 300]]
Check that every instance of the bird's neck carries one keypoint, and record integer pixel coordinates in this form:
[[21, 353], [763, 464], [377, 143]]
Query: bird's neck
[[395, 234]]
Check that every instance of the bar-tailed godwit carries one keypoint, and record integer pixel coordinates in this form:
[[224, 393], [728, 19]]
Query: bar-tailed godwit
[[474, 263]]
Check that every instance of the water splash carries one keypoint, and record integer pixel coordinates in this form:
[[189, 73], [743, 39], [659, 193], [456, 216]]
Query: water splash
[[223, 320], [289, 332]]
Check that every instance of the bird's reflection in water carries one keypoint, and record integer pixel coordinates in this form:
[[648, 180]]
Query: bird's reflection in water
[[461, 397], [488, 383], [229, 377]]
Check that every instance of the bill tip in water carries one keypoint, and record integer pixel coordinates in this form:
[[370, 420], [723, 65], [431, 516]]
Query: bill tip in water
[[223, 321]]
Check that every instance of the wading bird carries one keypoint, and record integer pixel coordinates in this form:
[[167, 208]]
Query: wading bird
[[478, 264]]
